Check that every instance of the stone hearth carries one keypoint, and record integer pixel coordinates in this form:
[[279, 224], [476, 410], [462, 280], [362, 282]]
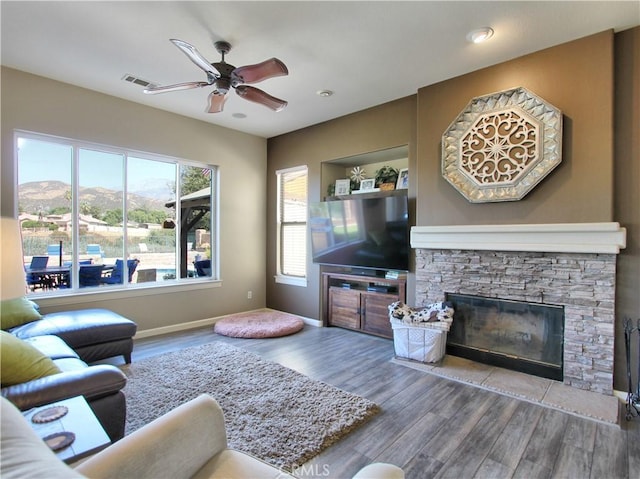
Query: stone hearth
[[572, 265]]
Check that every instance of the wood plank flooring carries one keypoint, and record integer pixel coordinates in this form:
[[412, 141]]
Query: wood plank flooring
[[430, 426]]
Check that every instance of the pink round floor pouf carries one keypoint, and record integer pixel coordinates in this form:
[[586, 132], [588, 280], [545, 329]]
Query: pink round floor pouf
[[259, 324]]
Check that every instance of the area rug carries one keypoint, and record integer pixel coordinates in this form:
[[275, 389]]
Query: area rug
[[271, 412], [259, 324]]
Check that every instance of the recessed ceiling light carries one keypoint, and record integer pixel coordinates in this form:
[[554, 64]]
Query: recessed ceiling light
[[239, 115], [480, 35], [324, 93]]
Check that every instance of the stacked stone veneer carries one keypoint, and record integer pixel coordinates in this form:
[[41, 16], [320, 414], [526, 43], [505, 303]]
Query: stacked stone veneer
[[583, 283]]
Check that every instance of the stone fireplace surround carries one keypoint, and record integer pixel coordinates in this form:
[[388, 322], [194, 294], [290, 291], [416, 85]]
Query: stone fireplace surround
[[573, 265]]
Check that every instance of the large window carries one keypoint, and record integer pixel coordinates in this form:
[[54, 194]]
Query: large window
[[292, 225], [101, 217]]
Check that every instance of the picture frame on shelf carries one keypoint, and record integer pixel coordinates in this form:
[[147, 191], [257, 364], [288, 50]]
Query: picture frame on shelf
[[343, 187], [403, 179], [368, 184]]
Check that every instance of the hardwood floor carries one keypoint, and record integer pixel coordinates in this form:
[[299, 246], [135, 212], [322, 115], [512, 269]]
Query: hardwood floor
[[433, 427]]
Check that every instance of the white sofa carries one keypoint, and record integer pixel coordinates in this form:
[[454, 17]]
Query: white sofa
[[188, 442]]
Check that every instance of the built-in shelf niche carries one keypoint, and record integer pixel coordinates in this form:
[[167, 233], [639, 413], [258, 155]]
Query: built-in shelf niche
[[332, 170]]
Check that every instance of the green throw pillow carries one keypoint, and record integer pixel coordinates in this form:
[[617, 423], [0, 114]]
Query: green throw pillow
[[14, 312], [21, 362]]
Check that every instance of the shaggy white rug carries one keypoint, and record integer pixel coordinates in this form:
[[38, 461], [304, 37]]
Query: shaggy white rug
[[271, 412]]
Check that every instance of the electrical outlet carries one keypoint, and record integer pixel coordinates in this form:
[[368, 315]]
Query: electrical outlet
[[249, 294]]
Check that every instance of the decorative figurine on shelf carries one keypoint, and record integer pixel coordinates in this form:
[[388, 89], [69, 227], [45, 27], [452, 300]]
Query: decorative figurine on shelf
[[386, 178], [357, 175]]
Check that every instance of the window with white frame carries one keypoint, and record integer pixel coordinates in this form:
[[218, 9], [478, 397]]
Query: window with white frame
[[292, 225], [95, 217]]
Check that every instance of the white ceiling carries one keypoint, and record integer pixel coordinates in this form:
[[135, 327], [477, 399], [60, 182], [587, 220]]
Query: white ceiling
[[368, 53]]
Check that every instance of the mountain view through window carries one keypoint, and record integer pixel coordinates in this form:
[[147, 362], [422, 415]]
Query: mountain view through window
[[101, 217]]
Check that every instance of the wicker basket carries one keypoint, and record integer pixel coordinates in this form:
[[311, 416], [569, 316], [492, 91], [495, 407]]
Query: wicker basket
[[421, 342], [387, 186]]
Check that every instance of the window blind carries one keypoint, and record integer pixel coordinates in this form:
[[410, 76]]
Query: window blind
[[292, 218]]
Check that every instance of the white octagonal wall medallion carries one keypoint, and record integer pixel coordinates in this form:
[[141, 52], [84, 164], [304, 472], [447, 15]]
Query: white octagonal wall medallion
[[501, 146]]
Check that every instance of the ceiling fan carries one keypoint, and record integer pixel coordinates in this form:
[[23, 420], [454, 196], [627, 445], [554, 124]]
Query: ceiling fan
[[223, 76]]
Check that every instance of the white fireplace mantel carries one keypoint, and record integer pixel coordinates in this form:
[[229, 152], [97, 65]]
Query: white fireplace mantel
[[607, 238]]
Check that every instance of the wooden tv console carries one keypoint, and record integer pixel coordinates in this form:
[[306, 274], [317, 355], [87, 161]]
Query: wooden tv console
[[360, 302]]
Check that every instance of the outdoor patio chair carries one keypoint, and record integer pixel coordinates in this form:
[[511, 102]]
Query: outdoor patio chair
[[95, 250], [90, 275], [38, 280], [53, 250], [117, 273], [81, 262], [203, 267]]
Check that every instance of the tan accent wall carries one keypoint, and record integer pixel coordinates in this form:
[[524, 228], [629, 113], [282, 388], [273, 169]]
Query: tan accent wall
[[385, 126], [627, 193], [577, 78], [45, 106]]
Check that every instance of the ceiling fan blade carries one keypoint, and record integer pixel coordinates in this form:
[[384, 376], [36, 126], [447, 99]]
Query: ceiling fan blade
[[260, 71], [256, 95], [195, 56], [178, 86], [216, 102]]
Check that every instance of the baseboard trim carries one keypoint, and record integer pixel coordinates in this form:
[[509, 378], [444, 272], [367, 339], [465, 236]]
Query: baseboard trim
[[174, 328], [201, 323]]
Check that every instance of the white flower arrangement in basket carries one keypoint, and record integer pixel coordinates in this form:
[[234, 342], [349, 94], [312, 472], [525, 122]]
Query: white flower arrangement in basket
[[420, 334]]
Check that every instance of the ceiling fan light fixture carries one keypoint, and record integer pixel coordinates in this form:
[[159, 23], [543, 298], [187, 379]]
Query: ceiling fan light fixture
[[223, 77], [223, 85], [480, 35]]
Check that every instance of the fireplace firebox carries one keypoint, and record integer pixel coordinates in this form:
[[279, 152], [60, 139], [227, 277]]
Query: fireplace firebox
[[517, 335]]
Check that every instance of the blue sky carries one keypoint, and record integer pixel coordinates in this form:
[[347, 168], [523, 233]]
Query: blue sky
[[48, 161]]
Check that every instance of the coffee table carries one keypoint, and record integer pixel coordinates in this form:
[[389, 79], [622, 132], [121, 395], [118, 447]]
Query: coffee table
[[90, 436]]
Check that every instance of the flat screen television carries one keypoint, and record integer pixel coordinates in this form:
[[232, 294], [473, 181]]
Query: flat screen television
[[367, 232]]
